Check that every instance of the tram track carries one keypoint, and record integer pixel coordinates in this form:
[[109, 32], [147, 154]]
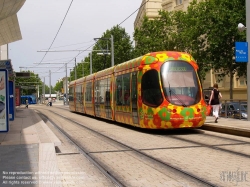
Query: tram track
[[82, 151], [126, 147], [215, 147]]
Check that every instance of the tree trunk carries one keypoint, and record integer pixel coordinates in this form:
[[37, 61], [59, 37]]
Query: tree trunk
[[231, 84]]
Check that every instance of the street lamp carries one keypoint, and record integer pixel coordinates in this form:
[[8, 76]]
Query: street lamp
[[112, 49], [241, 27]]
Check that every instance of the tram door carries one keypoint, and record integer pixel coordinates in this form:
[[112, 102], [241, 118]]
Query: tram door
[[97, 94], [134, 98], [107, 100]]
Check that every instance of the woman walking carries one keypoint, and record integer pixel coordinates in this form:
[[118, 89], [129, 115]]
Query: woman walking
[[215, 101]]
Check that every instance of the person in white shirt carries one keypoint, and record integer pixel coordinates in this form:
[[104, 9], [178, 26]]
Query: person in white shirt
[[50, 102]]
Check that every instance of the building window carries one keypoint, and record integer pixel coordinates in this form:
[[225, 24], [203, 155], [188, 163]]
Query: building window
[[242, 81], [178, 2]]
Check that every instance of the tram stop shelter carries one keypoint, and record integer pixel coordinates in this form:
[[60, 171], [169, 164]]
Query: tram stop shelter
[[9, 32]]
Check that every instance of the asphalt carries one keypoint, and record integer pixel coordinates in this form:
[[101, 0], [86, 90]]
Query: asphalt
[[27, 151]]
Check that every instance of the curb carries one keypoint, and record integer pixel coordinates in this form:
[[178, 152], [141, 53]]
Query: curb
[[227, 130]]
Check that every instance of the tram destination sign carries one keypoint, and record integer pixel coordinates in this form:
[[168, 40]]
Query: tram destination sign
[[23, 74]]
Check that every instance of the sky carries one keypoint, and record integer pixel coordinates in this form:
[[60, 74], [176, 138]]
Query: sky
[[40, 20]]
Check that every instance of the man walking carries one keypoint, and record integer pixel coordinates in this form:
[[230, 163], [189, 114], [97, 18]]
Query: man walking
[[27, 104]]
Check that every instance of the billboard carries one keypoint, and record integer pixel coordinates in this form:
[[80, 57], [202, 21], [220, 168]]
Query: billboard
[[4, 101], [241, 51], [11, 101]]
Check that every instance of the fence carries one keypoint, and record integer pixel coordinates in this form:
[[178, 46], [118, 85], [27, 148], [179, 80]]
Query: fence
[[234, 109]]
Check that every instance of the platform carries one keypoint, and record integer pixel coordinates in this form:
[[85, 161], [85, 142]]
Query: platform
[[228, 125], [27, 151]]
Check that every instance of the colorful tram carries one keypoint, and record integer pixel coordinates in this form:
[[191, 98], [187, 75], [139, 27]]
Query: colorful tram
[[160, 90]]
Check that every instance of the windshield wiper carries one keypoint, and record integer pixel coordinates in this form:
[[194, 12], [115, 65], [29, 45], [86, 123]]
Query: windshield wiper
[[177, 97]]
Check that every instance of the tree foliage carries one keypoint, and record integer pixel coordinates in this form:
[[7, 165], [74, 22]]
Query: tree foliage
[[123, 51], [28, 85], [215, 23], [58, 87]]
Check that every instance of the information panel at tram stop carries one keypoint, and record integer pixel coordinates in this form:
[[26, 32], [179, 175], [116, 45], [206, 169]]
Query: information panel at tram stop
[[241, 51], [4, 101]]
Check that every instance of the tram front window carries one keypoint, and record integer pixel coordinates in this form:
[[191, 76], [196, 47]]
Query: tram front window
[[180, 83]]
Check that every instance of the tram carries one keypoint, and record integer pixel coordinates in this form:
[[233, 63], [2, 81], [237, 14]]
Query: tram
[[159, 90]]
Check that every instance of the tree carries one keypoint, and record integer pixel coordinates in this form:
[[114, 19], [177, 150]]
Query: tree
[[208, 31], [58, 87], [160, 34], [216, 22], [123, 49]]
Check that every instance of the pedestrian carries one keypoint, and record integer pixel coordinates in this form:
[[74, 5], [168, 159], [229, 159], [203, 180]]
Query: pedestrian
[[215, 101], [50, 102], [27, 104]]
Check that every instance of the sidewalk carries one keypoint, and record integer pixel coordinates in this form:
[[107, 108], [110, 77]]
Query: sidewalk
[[27, 151], [228, 126]]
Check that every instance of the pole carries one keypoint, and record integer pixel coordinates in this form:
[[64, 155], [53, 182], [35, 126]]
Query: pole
[[112, 51], [66, 90], [75, 70], [90, 63], [38, 92], [69, 75], [248, 65], [50, 83], [82, 69], [43, 89]]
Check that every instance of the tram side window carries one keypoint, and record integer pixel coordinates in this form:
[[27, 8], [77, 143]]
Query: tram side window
[[126, 89], [97, 91], [119, 90], [123, 89], [79, 93], [103, 83], [88, 93], [100, 87], [107, 88], [71, 93], [151, 92]]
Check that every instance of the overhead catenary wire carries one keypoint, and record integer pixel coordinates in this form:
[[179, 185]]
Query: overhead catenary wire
[[57, 31], [118, 25], [86, 49]]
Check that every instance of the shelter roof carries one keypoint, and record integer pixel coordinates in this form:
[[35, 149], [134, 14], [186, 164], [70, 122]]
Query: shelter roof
[[9, 26]]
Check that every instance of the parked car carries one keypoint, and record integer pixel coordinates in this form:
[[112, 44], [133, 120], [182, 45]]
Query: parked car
[[242, 113], [234, 109]]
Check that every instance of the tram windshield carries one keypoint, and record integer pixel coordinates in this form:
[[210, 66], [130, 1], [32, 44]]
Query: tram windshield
[[180, 83]]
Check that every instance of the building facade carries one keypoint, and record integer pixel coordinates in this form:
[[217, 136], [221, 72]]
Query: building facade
[[151, 8]]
